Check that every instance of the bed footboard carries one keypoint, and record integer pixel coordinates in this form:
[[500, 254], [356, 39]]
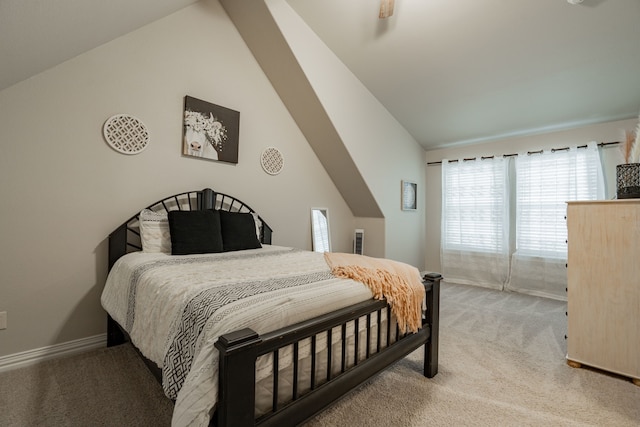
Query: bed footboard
[[240, 350]]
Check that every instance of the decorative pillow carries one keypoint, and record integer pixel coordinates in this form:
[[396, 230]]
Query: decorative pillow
[[154, 231], [238, 231], [195, 232]]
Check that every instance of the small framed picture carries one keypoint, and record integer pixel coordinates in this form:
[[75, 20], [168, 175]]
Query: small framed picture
[[409, 196]]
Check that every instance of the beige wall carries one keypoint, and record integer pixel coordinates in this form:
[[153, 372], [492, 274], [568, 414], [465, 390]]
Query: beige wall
[[63, 189], [606, 132]]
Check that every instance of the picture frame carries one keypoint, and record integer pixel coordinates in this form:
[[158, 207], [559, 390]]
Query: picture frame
[[409, 193], [210, 131]]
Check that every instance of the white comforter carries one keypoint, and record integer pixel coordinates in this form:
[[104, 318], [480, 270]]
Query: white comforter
[[162, 299]]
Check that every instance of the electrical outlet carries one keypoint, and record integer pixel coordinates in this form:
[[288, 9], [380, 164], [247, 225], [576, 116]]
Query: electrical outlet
[[3, 320]]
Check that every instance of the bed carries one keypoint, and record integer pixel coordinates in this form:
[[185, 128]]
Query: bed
[[247, 333]]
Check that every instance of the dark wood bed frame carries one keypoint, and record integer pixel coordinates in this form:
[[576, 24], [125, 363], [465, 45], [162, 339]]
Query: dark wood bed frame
[[240, 349]]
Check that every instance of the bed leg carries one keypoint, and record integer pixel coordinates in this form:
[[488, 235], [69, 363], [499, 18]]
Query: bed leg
[[237, 378], [115, 336], [433, 320]]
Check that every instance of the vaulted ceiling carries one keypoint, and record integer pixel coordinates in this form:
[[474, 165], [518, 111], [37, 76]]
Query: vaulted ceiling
[[470, 70], [451, 72], [38, 34]]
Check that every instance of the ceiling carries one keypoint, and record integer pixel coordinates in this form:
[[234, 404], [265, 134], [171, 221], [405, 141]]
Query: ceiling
[[38, 34], [463, 71], [451, 72]]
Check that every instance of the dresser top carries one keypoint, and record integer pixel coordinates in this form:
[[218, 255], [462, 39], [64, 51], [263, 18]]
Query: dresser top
[[597, 202]]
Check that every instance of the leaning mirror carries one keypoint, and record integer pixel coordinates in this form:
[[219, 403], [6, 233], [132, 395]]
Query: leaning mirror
[[320, 236]]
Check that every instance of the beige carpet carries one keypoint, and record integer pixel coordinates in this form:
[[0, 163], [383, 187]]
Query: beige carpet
[[107, 387], [501, 364]]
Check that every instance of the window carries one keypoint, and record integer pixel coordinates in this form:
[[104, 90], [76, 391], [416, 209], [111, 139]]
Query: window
[[545, 182], [475, 222], [475, 198], [477, 227]]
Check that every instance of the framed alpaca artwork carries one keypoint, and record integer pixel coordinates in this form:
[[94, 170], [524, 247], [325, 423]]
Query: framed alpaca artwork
[[210, 131]]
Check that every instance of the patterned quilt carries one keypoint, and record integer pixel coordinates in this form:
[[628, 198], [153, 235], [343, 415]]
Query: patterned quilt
[[175, 308]]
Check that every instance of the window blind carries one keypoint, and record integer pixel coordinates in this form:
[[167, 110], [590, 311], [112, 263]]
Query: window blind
[[475, 206], [545, 182]]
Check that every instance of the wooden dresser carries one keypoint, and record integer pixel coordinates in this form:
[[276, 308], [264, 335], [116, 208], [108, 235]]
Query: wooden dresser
[[603, 293]]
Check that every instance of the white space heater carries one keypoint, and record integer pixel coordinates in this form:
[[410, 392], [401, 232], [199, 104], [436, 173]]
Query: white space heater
[[358, 241]]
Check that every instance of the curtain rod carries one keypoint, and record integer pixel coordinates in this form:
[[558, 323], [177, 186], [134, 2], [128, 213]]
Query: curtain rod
[[553, 150]]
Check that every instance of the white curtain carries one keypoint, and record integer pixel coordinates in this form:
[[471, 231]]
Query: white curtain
[[475, 222], [545, 182]]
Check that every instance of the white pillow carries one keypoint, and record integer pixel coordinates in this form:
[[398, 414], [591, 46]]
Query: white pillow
[[258, 225], [154, 231]]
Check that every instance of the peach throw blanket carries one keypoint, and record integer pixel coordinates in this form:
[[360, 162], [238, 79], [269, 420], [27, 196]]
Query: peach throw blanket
[[398, 282]]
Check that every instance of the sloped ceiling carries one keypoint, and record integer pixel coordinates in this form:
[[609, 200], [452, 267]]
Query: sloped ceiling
[[455, 72], [452, 72], [38, 34]]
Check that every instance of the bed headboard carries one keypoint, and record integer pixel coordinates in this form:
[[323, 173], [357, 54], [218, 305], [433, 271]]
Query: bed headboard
[[126, 238]]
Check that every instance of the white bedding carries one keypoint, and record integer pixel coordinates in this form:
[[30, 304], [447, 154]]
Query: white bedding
[[159, 298]]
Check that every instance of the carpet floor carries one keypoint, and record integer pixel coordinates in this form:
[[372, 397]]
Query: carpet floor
[[502, 363]]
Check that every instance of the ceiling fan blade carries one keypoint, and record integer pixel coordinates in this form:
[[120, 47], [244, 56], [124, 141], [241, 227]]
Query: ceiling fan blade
[[386, 8]]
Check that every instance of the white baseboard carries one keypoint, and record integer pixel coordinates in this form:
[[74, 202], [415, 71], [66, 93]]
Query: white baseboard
[[30, 357]]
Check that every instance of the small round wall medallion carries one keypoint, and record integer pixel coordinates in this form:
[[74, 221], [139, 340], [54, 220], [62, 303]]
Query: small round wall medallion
[[126, 134], [272, 161]]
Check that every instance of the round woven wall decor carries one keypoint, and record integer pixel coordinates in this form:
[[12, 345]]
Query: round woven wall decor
[[272, 161], [125, 134]]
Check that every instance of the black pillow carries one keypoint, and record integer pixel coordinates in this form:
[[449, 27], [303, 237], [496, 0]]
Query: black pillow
[[238, 231], [195, 232]]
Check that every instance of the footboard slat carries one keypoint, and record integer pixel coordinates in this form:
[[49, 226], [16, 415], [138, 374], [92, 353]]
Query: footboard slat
[[343, 354], [296, 365], [356, 347], [379, 340], [368, 334], [313, 362], [388, 327], [276, 384], [329, 355]]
